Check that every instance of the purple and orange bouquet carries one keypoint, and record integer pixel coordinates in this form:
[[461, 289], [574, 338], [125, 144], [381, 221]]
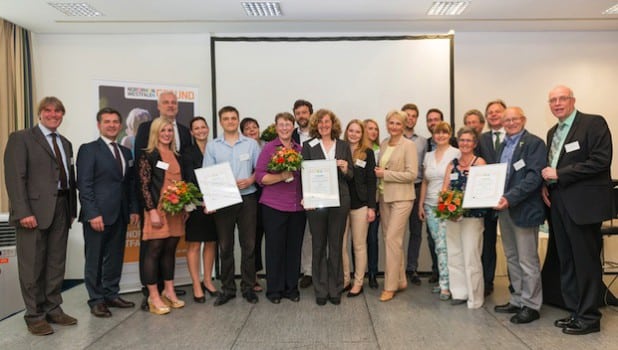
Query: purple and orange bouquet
[[285, 159], [450, 205], [181, 196]]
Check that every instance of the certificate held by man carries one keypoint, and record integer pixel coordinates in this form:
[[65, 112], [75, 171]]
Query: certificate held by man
[[485, 186], [320, 185], [218, 186]]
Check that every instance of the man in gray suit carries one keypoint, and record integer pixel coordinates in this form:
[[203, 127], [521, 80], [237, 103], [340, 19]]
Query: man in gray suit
[[106, 192], [521, 211], [40, 181]]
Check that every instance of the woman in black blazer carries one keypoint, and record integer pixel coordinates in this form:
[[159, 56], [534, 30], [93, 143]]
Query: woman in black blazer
[[362, 204], [328, 224]]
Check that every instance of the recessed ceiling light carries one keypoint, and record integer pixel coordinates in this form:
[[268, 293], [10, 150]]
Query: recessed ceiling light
[[262, 8], [76, 9], [447, 8], [611, 11]]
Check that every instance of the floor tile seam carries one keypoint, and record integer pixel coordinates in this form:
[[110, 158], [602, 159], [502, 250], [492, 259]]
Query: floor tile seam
[[242, 327], [373, 326]]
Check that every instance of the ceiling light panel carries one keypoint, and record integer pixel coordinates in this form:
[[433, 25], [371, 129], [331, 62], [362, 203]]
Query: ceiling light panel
[[611, 11], [76, 9], [447, 8], [262, 8]]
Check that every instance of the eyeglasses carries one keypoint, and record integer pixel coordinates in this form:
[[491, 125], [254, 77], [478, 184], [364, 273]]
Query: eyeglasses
[[465, 141], [560, 99], [511, 120]]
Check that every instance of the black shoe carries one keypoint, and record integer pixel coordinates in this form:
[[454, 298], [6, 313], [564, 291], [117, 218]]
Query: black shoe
[[250, 296], [335, 300], [352, 295], [564, 322], [525, 315], [305, 282], [100, 310], [320, 301], [507, 308], [295, 297], [200, 300], [180, 292], [414, 279], [577, 327], [433, 278], [120, 303], [488, 291], [346, 288], [223, 298], [458, 301], [144, 305], [373, 281], [213, 293], [274, 300]]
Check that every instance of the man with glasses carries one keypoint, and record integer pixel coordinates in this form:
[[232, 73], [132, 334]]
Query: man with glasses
[[521, 211], [578, 193]]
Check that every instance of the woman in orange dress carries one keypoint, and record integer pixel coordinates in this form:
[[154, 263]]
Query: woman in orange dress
[[159, 167]]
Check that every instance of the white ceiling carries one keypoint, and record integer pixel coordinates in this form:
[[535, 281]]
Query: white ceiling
[[312, 16]]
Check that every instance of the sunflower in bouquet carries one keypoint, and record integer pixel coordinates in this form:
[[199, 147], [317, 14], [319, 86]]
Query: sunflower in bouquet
[[181, 196], [450, 205]]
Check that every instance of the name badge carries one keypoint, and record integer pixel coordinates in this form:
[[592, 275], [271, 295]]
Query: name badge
[[573, 146], [519, 164], [314, 142], [360, 163], [162, 165], [130, 163], [243, 157], [454, 176]]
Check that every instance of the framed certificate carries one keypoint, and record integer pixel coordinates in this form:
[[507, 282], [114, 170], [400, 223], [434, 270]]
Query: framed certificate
[[320, 183], [485, 186], [218, 186]]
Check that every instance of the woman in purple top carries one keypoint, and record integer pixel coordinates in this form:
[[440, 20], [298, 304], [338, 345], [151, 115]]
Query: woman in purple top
[[284, 216]]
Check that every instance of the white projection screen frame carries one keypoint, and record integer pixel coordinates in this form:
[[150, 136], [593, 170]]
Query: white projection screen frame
[[355, 77]]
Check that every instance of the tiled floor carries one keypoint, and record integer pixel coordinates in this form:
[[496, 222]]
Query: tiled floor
[[415, 319]]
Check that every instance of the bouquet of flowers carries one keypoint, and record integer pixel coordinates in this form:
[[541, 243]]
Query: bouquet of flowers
[[181, 196], [269, 133], [285, 159], [450, 205]]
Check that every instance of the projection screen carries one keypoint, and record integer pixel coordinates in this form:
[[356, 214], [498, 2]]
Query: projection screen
[[355, 77]]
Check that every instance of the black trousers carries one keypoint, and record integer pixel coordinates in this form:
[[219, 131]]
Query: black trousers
[[226, 220], [488, 257], [284, 240], [104, 253], [579, 252]]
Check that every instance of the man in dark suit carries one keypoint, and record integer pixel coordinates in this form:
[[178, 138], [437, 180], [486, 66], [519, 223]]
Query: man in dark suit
[[168, 108], [488, 149], [106, 193], [521, 211], [40, 181], [578, 193]]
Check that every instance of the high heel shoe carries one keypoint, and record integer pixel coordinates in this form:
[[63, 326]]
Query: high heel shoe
[[213, 293], [352, 295], [387, 295], [200, 300], [157, 310], [175, 304]]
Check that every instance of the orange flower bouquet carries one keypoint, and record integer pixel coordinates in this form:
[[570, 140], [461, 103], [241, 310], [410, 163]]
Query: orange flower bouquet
[[285, 159], [181, 196], [450, 205]]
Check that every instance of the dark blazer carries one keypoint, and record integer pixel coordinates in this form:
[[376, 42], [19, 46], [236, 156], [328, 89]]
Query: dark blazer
[[342, 151], [103, 189], [31, 174], [192, 158], [296, 136], [523, 190], [364, 183], [486, 148], [584, 176], [151, 178]]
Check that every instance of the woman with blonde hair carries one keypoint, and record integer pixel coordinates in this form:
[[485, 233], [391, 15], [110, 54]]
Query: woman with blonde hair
[[396, 172], [362, 205], [159, 166]]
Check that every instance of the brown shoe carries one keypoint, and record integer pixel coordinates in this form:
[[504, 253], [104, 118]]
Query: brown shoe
[[387, 295], [40, 327], [61, 319], [119, 303]]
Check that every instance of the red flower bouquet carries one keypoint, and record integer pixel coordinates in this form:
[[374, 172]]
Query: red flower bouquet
[[450, 205], [285, 159], [181, 196]]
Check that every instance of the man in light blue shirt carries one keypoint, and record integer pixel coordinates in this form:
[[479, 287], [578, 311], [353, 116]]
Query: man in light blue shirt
[[242, 154]]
